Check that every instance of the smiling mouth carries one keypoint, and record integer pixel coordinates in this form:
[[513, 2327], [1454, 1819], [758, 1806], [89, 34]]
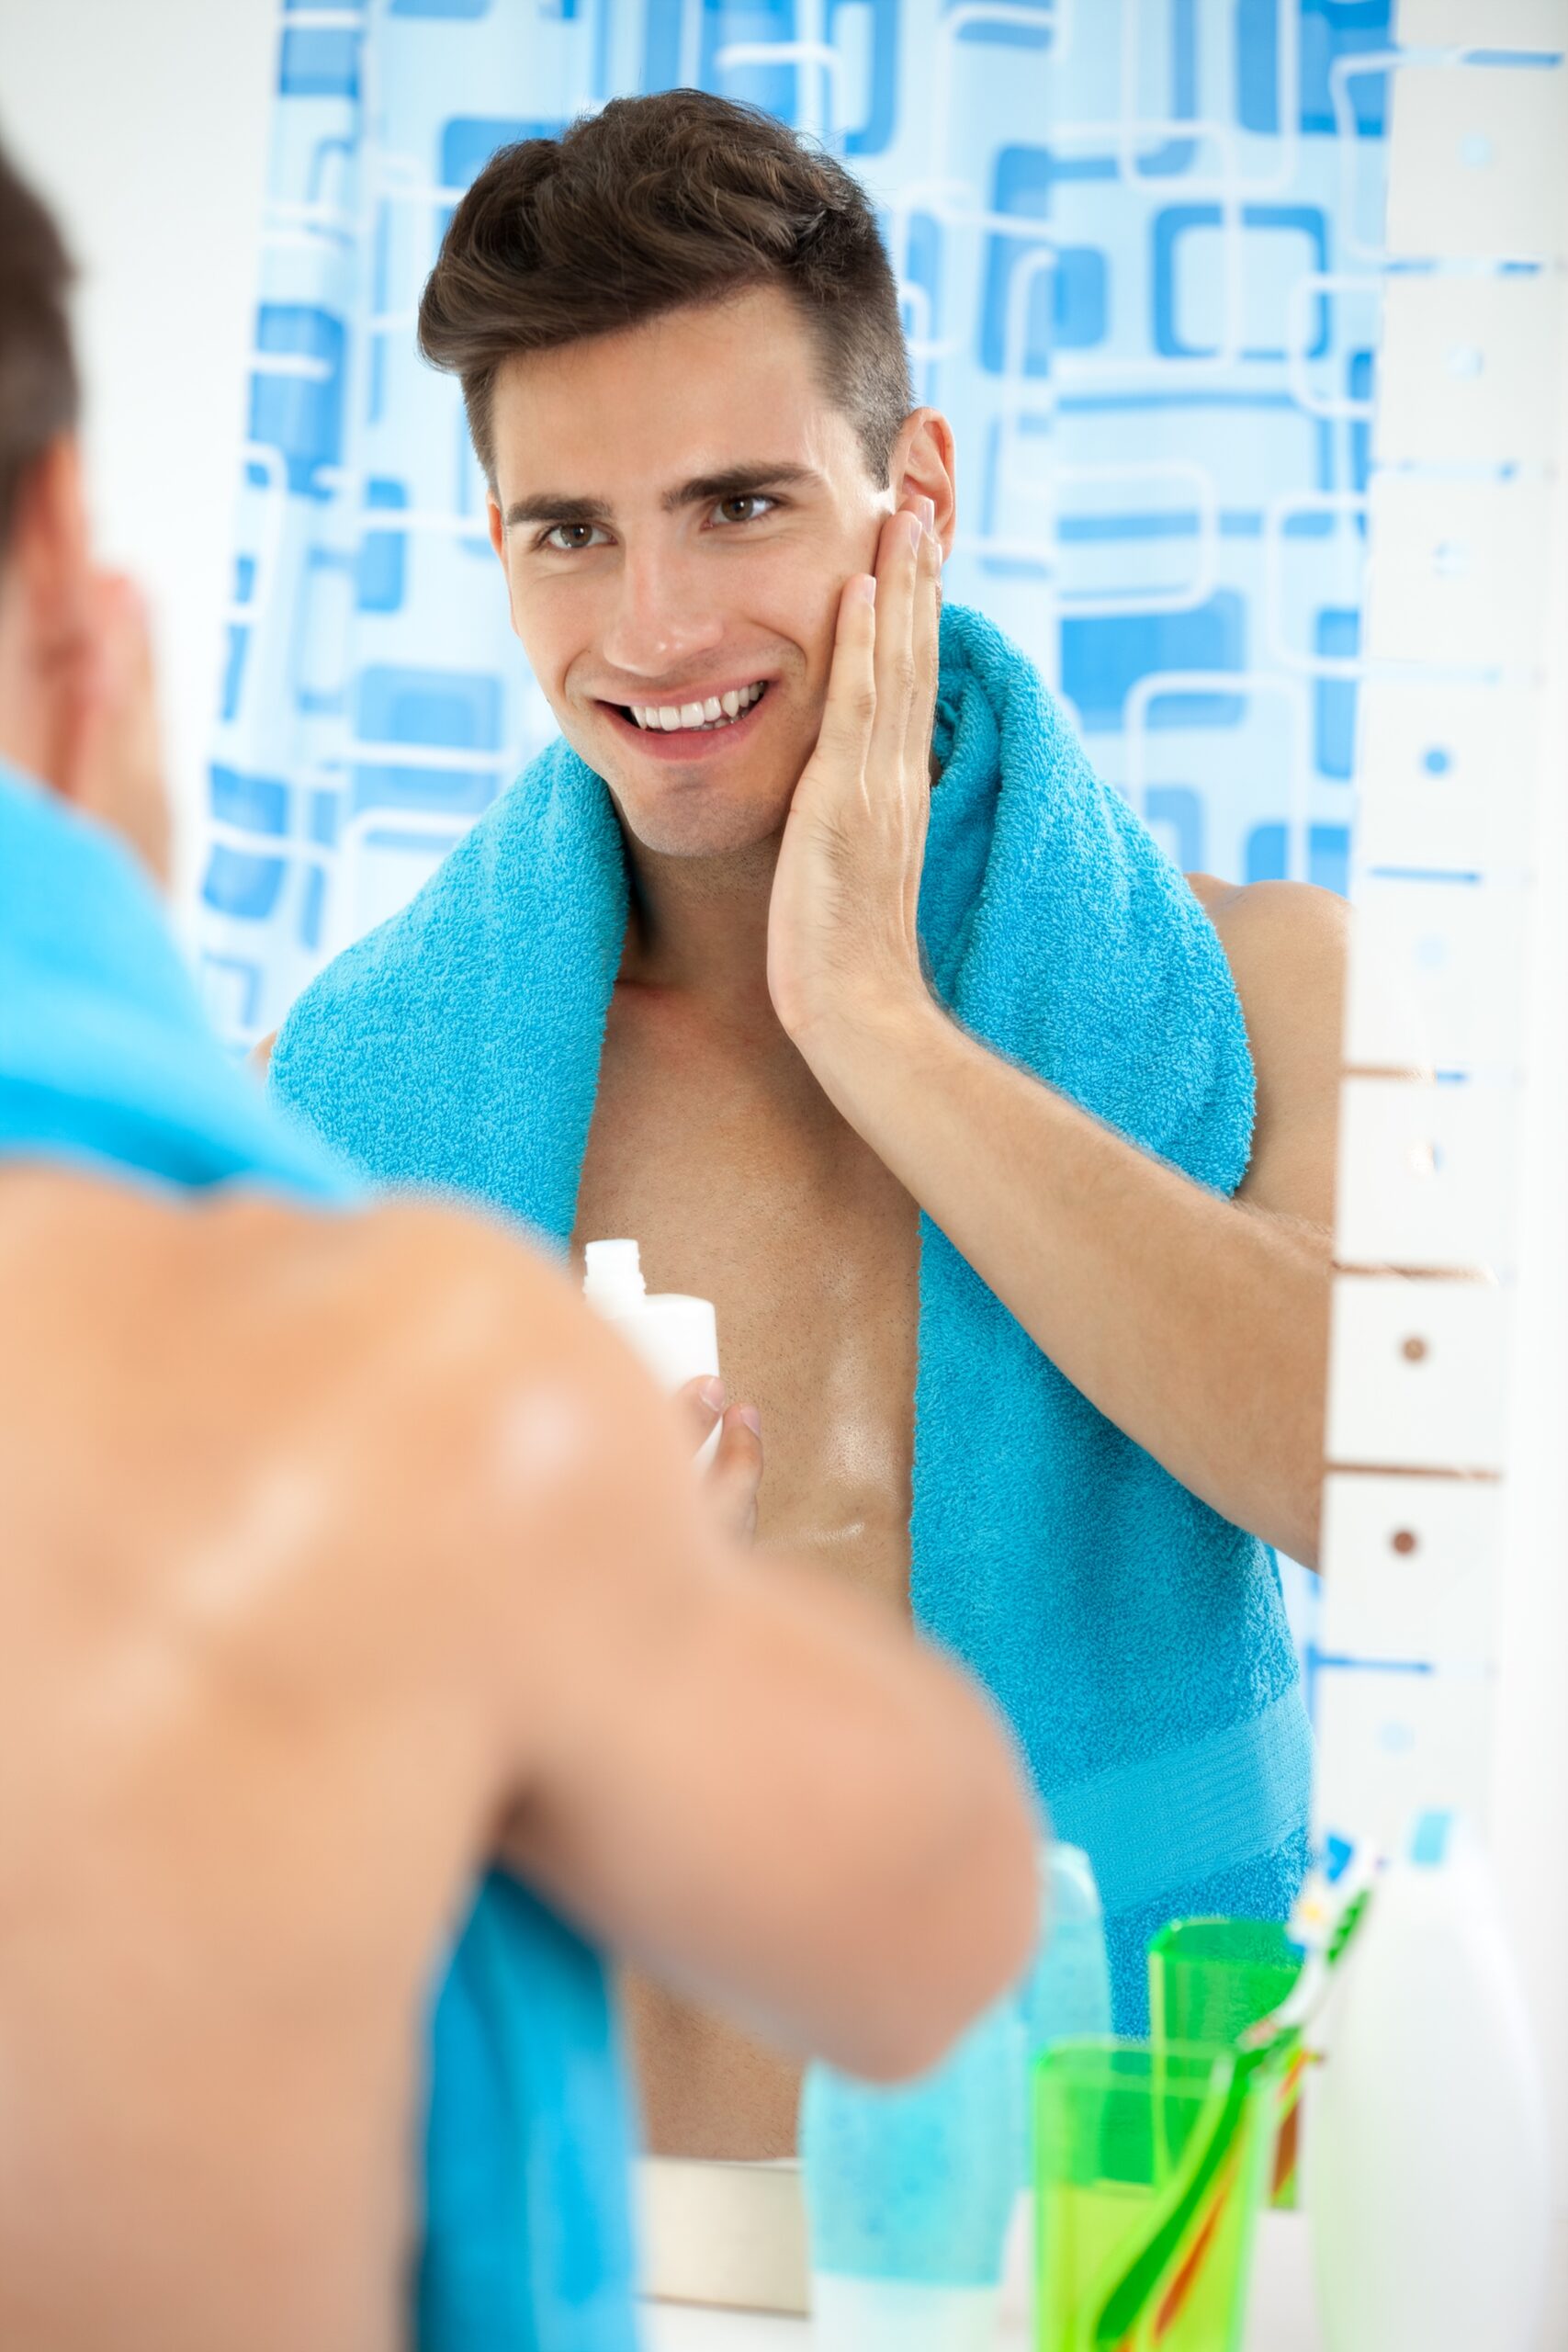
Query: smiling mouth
[[706, 718]]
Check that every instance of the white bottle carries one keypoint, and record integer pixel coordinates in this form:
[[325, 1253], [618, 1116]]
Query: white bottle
[[1425, 2168], [676, 1336]]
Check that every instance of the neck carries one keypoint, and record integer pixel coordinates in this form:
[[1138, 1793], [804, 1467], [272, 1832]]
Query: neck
[[699, 925]]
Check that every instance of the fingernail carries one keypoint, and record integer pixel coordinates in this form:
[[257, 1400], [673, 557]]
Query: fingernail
[[914, 530], [928, 510], [862, 588], [751, 1415], [711, 1394]]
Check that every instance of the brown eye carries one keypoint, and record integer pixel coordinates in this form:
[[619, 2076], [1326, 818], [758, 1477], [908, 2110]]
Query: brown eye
[[753, 498], [553, 536]]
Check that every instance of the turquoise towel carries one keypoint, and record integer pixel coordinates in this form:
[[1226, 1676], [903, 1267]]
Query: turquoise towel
[[104, 1059], [1136, 1640]]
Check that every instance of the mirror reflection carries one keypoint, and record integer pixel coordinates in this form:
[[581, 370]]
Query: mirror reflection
[[769, 885]]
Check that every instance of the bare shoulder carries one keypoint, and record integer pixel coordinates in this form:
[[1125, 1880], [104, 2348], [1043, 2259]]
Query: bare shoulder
[[261, 1055], [1286, 943]]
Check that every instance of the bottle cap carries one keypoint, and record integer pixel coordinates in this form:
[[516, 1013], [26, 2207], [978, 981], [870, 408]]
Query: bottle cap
[[612, 1280]]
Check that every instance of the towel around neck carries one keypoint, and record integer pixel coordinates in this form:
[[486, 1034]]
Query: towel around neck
[[1136, 1641]]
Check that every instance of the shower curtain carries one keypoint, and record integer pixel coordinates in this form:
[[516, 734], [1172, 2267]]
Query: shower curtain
[[1138, 244]]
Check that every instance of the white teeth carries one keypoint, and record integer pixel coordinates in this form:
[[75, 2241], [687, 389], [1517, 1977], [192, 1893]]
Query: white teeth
[[716, 711]]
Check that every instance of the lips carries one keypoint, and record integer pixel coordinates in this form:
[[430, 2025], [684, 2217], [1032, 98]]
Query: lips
[[688, 743]]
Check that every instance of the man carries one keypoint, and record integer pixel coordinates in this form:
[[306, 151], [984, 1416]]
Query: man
[[341, 1554], [941, 1128]]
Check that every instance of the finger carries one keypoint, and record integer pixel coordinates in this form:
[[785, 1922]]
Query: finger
[[699, 1403], [851, 706], [927, 648], [897, 573], [736, 1473], [125, 633]]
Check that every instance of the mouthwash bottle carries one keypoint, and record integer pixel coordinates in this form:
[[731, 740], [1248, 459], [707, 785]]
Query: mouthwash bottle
[[909, 2191], [912, 2191]]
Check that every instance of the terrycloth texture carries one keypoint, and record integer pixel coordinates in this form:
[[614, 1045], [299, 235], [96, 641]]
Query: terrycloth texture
[[1136, 1640], [104, 1059]]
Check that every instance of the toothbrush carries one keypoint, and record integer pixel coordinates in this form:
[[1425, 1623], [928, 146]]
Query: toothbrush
[[1329, 1928]]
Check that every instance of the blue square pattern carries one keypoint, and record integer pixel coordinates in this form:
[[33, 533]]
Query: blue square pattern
[[238, 639], [1328, 854], [1067, 302], [725, 24], [1335, 632], [259, 804], [238, 884], [1103, 657], [1269, 271], [298, 408], [466, 142], [380, 581], [1009, 28], [1175, 813], [1330, 29], [319, 61], [457, 709]]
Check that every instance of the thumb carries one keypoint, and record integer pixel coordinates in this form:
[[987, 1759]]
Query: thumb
[[699, 1403]]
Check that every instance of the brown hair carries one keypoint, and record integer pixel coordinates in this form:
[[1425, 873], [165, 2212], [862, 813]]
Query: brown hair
[[649, 205], [38, 374]]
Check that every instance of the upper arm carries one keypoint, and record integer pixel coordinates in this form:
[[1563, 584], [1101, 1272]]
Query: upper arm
[[1286, 943]]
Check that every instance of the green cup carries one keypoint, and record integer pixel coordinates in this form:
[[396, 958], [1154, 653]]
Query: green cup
[[1209, 1980], [1149, 2169]]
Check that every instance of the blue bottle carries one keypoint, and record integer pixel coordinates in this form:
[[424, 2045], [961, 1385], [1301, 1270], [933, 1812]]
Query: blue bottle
[[910, 2191], [908, 2194]]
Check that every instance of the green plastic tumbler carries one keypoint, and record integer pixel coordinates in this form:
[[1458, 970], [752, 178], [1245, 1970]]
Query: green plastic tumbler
[[1149, 2170], [1209, 1980]]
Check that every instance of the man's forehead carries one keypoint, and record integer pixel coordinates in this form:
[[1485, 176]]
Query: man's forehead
[[692, 391]]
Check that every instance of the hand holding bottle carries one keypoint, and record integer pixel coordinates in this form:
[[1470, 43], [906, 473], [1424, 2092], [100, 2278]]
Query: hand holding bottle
[[733, 1473]]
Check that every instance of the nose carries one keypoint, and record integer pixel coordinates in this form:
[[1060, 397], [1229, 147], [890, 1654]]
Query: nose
[[663, 618]]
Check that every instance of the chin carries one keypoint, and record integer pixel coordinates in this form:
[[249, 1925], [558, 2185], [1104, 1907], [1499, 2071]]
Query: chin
[[716, 829]]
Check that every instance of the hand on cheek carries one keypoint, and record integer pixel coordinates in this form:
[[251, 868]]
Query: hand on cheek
[[842, 944]]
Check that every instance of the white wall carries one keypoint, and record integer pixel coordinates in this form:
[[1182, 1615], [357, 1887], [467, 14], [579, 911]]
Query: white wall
[[145, 124]]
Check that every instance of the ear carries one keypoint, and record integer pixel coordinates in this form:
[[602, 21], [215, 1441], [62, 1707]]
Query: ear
[[924, 466], [498, 540]]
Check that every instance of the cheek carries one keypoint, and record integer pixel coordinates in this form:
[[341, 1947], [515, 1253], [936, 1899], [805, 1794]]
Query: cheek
[[795, 595], [554, 623]]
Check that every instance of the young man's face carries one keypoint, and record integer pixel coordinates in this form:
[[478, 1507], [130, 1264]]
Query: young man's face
[[678, 508]]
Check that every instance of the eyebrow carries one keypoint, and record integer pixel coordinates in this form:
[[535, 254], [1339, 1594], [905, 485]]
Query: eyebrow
[[551, 507]]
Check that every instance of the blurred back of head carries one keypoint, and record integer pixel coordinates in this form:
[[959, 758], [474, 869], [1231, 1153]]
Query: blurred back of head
[[38, 392], [78, 710]]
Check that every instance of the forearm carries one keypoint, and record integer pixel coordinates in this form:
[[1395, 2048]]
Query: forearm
[[1197, 1325], [796, 1813]]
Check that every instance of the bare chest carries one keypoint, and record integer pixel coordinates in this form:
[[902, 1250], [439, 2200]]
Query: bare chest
[[743, 1184]]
